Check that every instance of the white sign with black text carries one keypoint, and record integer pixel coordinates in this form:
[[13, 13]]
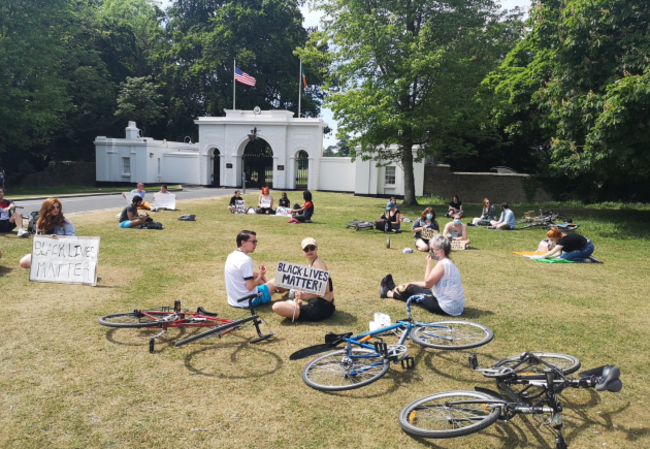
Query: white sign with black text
[[67, 260], [265, 203], [301, 278], [240, 207]]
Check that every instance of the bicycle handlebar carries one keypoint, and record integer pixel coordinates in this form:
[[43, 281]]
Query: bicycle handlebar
[[251, 296]]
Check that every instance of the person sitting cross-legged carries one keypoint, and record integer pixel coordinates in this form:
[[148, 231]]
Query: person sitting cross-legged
[[441, 291], [456, 230], [306, 211], [506, 220], [140, 191], [9, 218], [129, 217]]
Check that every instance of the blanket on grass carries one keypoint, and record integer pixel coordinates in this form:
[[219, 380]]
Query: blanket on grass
[[530, 254]]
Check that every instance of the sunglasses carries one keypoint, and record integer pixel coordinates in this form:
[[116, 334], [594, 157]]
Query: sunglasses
[[254, 242], [309, 248]]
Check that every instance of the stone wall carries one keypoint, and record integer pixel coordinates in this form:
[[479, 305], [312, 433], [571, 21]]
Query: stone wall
[[440, 181], [63, 173]]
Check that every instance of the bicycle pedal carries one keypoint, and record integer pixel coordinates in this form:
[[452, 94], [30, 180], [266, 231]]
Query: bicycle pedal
[[381, 348], [152, 344], [408, 362]]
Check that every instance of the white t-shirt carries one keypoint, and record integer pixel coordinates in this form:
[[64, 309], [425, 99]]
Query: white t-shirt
[[449, 291], [239, 268]]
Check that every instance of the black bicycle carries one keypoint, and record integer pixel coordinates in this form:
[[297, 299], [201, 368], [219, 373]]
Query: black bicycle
[[532, 382], [360, 224]]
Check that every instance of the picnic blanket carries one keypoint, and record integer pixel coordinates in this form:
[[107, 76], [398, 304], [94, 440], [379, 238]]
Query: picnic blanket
[[530, 254]]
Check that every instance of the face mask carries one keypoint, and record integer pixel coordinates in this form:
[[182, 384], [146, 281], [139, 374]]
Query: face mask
[[456, 222], [429, 216], [434, 256]]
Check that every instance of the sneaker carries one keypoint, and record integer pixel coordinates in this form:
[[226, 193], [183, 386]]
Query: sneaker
[[594, 260], [23, 233], [386, 285]]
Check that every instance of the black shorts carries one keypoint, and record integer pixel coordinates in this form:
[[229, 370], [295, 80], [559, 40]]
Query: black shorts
[[317, 309], [6, 226]]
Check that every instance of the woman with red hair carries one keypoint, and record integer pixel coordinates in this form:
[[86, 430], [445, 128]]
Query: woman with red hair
[[573, 247], [50, 221], [265, 202]]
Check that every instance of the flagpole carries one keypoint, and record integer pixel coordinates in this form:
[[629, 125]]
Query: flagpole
[[234, 83], [299, 88]]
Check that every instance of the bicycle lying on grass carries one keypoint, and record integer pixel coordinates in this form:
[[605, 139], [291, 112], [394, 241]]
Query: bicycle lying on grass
[[366, 357], [543, 377], [360, 224], [170, 317], [546, 219]]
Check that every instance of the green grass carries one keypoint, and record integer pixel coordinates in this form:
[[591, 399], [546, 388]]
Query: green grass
[[20, 192], [68, 382]]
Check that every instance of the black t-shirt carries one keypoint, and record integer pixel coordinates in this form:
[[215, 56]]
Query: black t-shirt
[[572, 242], [234, 199], [285, 203], [124, 216], [456, 205]]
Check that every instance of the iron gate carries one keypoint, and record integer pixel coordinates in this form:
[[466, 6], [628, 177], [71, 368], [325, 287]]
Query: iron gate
[[302, 170], [216, 169], [258, 164]]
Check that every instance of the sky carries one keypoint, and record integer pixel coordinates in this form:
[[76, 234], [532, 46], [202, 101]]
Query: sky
[[312, 18]]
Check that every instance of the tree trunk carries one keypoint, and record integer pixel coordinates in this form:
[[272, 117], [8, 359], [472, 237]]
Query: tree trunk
[[409, 176]]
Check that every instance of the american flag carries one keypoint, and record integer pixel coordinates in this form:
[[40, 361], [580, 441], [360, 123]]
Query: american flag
[[244, 78]]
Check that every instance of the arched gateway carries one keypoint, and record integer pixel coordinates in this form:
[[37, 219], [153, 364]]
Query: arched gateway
[[272, 145]]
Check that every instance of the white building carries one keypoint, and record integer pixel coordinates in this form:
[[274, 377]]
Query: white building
[[291, 161]]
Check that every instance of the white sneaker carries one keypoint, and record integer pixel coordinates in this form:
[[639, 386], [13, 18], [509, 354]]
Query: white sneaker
[[23, 233]]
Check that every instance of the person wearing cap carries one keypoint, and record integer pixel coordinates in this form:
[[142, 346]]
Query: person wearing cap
[[241, 279], [129, 217], [390, 220], [314, 308], [233, 201], [267, 198]]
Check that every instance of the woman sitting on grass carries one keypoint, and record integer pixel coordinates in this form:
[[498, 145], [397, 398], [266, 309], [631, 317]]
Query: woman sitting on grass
[[442, 290], [487, 214], [573, 247], [267, 199], [456, 230], [317, 308], [50, 222], [427, 222], [303, 214]]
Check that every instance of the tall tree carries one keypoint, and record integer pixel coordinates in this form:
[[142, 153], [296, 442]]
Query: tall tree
[[406, 72], [579, 84]]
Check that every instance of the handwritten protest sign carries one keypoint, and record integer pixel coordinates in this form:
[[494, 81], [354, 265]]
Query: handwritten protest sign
[[68, 260], [265, 203], [283, 212], [304, 279], [164, 201], [459, 245], [428, 234], [240, 207]]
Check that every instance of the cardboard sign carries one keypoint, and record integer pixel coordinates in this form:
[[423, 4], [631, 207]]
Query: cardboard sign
[[164, 201], [283, 212], [304, 279], [428, 234], [129, 196], [240, 206], [66, 260], [265, 203], [459, 245]]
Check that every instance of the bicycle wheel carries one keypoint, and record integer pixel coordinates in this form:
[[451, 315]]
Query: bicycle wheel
[[216, 331], [532, 369], [451, 335], [335, 371], [152, 318], [433, 416]]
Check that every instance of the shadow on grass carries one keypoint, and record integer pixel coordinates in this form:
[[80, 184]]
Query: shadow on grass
[[141, 337], [471, 312], [5, 270], [235, 360], [339, 318]]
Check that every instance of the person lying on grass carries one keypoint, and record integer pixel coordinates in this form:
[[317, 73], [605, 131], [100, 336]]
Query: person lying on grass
[[317, 308], [573, 247], [441, 289]]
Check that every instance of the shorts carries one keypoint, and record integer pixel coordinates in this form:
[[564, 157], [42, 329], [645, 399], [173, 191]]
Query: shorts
[[266, 296], [125, 224], [6, 226], [317, 309], [415, 242]]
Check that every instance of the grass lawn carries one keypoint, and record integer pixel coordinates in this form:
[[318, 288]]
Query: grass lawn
[[22, 192], [68, 382]]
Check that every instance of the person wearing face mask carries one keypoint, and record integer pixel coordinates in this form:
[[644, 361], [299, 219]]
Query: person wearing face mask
[[426, 222], [441, 291], [456, 230]]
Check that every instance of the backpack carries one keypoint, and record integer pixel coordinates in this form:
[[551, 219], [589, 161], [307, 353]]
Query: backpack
[[186, 217], [152, 225], [33, 218]]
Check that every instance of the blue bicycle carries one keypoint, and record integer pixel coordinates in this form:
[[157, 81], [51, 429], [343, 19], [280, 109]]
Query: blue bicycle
[[366, 357]]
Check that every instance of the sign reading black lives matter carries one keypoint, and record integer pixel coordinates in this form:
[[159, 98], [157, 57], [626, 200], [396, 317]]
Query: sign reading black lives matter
[[68, 260], [304, 279], [240, 207]]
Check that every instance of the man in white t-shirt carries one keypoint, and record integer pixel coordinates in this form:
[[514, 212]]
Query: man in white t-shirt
[[241, 279]]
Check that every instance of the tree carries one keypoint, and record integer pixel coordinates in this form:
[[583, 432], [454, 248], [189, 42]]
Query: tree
[[579, 84], [406, 73], [138, 100]]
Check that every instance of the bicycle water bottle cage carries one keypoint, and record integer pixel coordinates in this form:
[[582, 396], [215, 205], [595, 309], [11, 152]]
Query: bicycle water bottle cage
[[408, 362], [381, 348]]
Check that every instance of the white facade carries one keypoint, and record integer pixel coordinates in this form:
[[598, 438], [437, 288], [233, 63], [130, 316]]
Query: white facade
[[143, 159]]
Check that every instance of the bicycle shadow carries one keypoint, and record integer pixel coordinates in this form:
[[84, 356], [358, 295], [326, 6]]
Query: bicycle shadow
[[5, 270], [339, 318], [234, 360], [140, 337], [459, 359]]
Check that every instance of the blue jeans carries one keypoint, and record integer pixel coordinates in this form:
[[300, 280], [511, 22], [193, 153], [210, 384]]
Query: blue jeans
[[579, 255]]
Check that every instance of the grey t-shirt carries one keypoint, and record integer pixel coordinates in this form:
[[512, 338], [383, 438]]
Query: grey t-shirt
[[130, 208]]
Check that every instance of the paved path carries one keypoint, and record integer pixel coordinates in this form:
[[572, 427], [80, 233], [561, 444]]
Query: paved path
[[80, 204]]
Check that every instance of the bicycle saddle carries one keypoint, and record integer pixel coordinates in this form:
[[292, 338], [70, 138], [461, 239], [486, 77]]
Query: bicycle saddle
[[202, 311], [609, 378]]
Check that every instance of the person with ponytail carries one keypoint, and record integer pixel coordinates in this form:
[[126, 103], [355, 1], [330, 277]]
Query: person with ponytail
[[573, 247], [50, 222]]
